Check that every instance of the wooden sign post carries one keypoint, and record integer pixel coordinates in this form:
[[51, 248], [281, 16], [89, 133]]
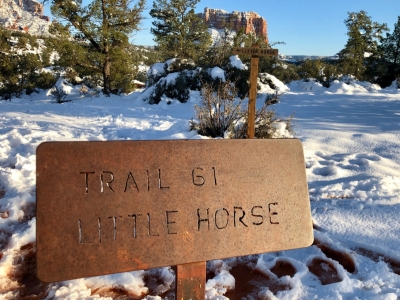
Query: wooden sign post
[[255, 51], [118, 206], [198, 270]]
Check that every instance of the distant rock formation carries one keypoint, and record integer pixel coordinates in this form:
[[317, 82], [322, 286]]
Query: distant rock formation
[[250, 21], [24, 15], [31, 6]]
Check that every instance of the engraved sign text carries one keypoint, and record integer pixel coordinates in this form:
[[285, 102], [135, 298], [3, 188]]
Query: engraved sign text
[[108, 207]]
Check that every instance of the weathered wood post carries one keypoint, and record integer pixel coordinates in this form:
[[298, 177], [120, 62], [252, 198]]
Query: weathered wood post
[[255, 51], [252, 94], [191, 278]]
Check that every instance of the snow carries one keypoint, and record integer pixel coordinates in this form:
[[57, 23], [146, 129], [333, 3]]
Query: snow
[[156, 69], [143, 68], [218, 73], [351, 139], [220, 36], [237, 63], [280, 87]]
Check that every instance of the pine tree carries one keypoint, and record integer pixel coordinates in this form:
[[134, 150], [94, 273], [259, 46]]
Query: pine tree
[[391, 51], [20, 71], [221, 49], [361, 49], [178, 31], [102, 28]]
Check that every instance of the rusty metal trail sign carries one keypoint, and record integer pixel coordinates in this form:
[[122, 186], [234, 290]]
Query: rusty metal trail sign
[[109, 207]]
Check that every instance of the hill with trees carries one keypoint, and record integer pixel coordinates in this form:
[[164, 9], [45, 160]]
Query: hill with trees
[[90, 45], [80, 82]]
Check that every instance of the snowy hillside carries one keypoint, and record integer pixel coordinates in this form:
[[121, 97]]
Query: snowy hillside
[[24, 15], [351, 139]]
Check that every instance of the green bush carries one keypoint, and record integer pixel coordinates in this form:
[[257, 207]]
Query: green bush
[[72, 76], [45, 80], [158, 92], [141, 76], [179, 90], [284, 71], [323, 72], [10, 89], [241, 79], [18, 73]]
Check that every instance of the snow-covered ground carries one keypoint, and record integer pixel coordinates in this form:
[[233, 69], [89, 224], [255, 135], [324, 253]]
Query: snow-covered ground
[[351, 139]]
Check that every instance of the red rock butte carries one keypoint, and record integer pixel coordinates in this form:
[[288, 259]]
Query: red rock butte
[[250, 21]]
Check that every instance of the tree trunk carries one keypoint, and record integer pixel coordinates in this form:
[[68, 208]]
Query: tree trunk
[[107, 74], [106, 51]]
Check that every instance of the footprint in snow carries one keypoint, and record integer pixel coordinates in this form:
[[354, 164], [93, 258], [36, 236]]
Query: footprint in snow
[[363, 160], [325, 270], [372, 157], [359, 162], [326, 171]]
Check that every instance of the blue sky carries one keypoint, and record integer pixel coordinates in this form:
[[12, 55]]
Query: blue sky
[[308, 27]]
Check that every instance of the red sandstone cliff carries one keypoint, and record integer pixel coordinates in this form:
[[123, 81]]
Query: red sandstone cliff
[[24, 15], [250, 21]]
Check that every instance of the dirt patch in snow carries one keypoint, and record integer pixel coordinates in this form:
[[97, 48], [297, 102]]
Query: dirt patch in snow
[[249, 282], [23, 272], [376, 256], [325, 270], [347, 260]]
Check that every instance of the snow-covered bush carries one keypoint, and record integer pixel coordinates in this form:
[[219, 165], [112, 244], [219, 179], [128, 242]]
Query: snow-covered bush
[[164, 82], [174, 86], [178, 65], [239, 75], [267, 80], [155, 73], [176, 77], [348, 79]]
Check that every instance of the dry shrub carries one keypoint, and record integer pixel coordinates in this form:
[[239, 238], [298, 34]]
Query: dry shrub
[[222, 114], [218, 110], [267, 125]]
